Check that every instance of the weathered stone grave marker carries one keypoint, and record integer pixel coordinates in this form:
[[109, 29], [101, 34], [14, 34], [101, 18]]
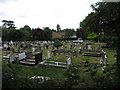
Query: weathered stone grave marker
[[68, 62], [21, 56], [12, 58], [33, 49], [48, 54], [38, 57]]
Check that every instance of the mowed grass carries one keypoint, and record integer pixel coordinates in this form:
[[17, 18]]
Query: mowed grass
[[30, 71]]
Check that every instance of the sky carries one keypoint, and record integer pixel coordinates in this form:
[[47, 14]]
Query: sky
[[45, 13]]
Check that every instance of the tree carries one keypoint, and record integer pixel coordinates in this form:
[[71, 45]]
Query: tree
[[80, 33], [69, 32], [105, 18], [5, 34], [57, 44], [92, 35], [9, 34], [110, 19], [58, 28], [8, 24], [37, 34], [47, 33], [26, 33]]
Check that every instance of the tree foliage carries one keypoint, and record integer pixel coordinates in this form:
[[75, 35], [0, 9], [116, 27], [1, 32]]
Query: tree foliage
[[8, 24], [57, 44], [81, 33], [47, 33], [69, 33], [105, 20], [26, 33], [58, 28]]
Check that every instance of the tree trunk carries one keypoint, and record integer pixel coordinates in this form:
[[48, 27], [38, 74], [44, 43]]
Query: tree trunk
[[118, 52]]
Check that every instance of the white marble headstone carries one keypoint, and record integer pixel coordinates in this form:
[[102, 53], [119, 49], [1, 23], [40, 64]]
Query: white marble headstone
[[12, 58], [33, 49], [11, 42], [89, 47], [5, 45], [21, 56], [48, 54], [68, 62]]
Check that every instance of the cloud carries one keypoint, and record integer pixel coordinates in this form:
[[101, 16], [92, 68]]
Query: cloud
[[41, 13], [4, 1], [3, 13], [21, 16]]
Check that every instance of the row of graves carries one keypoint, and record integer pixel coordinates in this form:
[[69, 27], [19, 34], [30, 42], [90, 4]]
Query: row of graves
[[21, 57], [30, 53], [89, 49], [95, 52]]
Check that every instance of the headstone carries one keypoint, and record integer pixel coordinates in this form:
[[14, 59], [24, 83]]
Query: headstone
[[5, 46], [48, 54], [103, 57], [11, 42], [54, 54], [21, 56], [68, 62], [33, 49], [12, 58], [89, 47], [8, 48], [38, 57]]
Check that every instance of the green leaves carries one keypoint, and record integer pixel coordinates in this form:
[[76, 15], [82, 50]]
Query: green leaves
[[57, 44]]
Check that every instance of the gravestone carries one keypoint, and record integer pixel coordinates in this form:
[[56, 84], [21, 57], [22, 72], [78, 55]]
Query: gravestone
[[68, 62], [33, 49], [38, 58], [11, 42], [8, 48], [21, 56], [12, 58], [48, 54], [5, 46], [54, 54], [103, 57], [89, 47]]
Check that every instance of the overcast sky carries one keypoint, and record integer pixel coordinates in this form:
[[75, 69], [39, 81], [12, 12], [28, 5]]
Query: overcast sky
[[45, 13]]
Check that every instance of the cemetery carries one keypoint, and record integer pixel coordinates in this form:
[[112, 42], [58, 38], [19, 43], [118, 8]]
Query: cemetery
[[88, 58], [85, 54]]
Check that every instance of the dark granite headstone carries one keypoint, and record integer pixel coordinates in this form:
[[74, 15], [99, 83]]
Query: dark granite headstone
[[38, 58], [8, 48]]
